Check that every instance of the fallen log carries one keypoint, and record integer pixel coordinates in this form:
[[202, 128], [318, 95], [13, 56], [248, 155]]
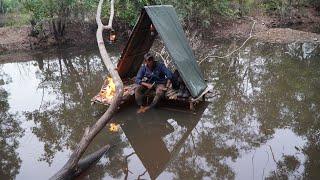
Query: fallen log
[[90, 160], [85, 163]]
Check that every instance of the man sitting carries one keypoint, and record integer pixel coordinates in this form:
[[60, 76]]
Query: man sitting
[[152, 75]]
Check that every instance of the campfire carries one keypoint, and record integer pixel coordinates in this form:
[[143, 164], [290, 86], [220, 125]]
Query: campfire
[[108, 90]]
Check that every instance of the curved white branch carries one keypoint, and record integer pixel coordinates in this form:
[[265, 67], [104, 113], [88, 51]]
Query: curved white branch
[[98, 16], [71, 166]]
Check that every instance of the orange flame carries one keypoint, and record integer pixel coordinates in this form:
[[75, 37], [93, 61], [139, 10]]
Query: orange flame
[[110, 90], [114, 127]]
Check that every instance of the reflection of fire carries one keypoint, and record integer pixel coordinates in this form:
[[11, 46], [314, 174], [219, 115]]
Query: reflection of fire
[[114, 127], [110, 89]]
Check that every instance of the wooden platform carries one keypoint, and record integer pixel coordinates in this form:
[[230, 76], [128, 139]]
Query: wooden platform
[[170, 95]]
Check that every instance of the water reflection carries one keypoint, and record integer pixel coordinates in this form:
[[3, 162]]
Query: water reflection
[[10, 132], [68, 83], [60, 123], [264, 88], [158, 135], [262, 120]]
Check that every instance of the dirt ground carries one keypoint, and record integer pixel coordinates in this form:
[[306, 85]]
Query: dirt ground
[[12, 38], [297, 28], [19, 38], [287, 35]]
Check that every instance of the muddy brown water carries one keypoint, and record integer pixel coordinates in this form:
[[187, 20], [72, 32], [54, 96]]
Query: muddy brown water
[[262, 119]]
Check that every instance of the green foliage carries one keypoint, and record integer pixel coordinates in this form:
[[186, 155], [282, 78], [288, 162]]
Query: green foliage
[[246, 6], [58, 13], [9, 6], [128, 10], [283, 8], [205, 10], [272, 6], [37, 8], [48, 9], [128, 13]]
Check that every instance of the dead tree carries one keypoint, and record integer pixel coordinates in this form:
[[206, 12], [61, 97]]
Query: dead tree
[[72, 164]]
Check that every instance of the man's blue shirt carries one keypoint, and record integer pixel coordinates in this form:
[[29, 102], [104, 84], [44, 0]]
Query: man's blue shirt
[[158, 75]]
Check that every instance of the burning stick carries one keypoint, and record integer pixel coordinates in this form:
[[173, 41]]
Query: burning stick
[[108, 90]]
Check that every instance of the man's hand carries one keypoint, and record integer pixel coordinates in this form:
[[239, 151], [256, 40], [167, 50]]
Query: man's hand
[[148, 85]]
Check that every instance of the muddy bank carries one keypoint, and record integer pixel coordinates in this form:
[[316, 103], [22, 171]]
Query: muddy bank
[[286, 35], [13, 38], [76, 34], [20, 38], [306, 20]]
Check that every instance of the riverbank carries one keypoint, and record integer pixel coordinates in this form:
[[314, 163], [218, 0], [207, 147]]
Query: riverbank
[[20, 38], [264, 28]]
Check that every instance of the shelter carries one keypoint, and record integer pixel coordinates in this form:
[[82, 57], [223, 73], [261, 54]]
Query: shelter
[[160, 20], [163, 20]]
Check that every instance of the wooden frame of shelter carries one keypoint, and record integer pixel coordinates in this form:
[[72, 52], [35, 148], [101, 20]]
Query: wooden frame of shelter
[[160, 20]]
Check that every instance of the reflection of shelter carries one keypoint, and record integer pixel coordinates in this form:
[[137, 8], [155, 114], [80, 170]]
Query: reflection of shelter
[[146, 134], [164, 21]]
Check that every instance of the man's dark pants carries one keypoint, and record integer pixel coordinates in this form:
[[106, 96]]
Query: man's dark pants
[[141, 91]]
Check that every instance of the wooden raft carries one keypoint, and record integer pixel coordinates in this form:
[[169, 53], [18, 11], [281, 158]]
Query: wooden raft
[[129, 86]]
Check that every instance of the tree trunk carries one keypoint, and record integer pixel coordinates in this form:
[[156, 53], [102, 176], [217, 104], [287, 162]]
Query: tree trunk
[[1, 11], [54, 28], [58, 26], [241, 8], [72, 165], [1, 7]]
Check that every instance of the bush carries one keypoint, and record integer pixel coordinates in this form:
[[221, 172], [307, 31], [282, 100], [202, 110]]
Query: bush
[[276, 7], [7, 6], [284, 7]]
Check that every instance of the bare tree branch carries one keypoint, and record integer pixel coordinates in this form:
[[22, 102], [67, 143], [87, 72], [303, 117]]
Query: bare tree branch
[[71, 166], [237, 49]]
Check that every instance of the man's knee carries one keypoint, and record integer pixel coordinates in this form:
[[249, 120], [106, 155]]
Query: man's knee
[[139, 90]]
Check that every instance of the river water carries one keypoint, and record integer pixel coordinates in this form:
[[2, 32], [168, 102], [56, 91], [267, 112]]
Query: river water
[[262, 119]]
